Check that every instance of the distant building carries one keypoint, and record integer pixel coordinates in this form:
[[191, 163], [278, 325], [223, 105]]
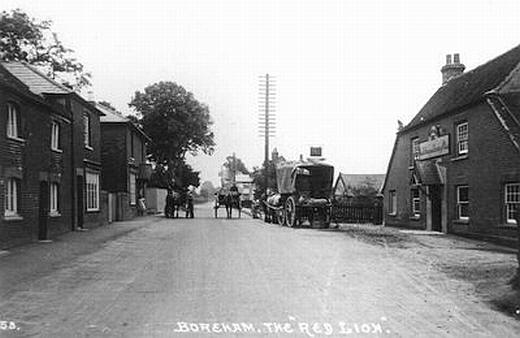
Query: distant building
[[125, 172], [352, 188], [50, 157], [455, 167]]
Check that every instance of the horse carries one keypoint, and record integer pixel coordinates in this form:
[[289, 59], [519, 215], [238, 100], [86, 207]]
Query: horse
[[173, 204], [232, 200]]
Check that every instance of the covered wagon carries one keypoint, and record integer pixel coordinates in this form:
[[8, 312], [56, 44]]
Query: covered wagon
[[304, 193]]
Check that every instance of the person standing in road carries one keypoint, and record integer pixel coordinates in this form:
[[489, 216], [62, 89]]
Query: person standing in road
[[189, 205]]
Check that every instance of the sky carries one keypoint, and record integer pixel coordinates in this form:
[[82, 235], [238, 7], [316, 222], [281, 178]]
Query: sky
[[346, 71]]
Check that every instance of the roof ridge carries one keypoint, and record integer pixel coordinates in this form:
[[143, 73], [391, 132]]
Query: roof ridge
[[46, 77]]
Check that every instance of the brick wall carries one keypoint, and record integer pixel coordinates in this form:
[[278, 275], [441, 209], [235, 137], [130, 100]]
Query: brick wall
[[491, 162], [114, 157], [32, 161]]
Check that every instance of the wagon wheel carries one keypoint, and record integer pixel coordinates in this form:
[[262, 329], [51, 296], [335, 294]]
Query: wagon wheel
[[311, 218], [327, 217], [290, 212]]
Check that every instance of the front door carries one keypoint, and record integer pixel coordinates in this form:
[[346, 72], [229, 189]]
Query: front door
[[436, 210], [43, 211]]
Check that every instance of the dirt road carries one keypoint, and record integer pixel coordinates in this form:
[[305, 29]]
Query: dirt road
[[205, 277]]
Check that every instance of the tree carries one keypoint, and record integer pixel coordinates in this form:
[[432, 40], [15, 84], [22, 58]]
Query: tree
[[235, 163], [23, 38], [178, 178], [175, 121], [207, 189]]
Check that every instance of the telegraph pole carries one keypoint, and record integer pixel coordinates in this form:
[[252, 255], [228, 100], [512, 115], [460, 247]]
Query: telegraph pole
[[266, 116], [266, 110]]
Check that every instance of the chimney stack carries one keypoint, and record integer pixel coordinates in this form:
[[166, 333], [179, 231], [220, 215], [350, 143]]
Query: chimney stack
[[451, 70]]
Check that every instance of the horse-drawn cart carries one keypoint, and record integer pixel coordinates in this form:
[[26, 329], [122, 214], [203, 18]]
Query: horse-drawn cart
[[304, 193], [230, 199]]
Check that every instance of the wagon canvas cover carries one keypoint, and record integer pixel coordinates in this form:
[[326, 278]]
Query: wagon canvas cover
[[321, 174]]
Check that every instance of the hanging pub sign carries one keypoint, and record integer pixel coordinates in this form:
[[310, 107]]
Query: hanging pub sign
[[435, 147], [315, 151]]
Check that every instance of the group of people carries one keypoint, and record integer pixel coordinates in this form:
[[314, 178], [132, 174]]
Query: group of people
[[174, 201]]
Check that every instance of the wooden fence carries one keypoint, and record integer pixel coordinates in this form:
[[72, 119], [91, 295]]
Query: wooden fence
[[342, 213]]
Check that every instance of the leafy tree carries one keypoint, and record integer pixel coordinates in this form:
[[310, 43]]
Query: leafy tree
[[207, 189], [175, 121], [23, 38], [235, 163], [178, 178]]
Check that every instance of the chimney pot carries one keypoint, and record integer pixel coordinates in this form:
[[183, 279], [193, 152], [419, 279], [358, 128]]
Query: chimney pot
[[451, 70], [456, 58]]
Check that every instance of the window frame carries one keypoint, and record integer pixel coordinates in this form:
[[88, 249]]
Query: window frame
[[462, 138], [54, 199], [392, 202], [415, 202], [87, 130], [12, 195], [511, 221], [55, 136], [13, 123], [461, 203], [414, 149], [92, 191]]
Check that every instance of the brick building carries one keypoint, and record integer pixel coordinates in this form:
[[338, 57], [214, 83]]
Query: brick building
[[50, 157], [125, 172], [455, 167]]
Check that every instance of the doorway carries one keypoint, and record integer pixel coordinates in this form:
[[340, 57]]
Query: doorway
[[43, 211], [435, 192]]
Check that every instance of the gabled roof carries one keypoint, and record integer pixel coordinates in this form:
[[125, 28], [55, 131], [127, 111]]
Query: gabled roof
[[358, 180], [37, 82], [113, 116], [469, 88], [40, 84]]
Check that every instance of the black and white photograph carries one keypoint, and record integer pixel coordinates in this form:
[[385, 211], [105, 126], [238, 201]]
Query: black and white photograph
[[260, 168]]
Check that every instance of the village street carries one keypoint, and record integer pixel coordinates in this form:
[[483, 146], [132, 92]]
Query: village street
[[157, 277]]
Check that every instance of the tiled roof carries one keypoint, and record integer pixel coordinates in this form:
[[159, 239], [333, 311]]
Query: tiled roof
[[468, 88], [37, 82], [358, 180], [111, 115]]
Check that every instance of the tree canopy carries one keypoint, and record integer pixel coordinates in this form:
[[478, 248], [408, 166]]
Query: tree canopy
[[175, 121], [23, 38], [235, 163]]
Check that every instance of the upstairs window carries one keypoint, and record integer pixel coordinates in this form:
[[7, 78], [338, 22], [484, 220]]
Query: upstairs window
[[11, 197], [462, 138], [414, 150], [55, 136], [13, 121], [512, 200], [463, 202], [86, 131]]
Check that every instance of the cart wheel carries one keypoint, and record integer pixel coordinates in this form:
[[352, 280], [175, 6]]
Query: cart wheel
[[327, 217], [290, 212]]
